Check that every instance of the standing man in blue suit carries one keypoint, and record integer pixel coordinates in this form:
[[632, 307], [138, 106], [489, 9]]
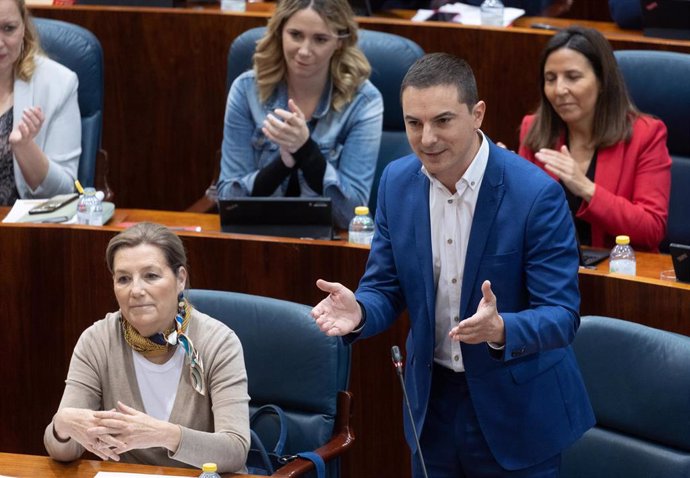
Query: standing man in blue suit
[[479, 246]]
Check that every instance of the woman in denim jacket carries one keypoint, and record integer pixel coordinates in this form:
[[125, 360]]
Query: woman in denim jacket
[[305, 121]]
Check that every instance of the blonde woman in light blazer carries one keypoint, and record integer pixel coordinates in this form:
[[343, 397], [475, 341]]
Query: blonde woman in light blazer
[[40, 138]]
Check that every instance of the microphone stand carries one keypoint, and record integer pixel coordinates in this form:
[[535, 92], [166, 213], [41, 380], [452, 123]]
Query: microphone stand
[[398, 363]]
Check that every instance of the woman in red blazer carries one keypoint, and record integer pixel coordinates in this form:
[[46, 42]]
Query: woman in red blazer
[[611, 160]]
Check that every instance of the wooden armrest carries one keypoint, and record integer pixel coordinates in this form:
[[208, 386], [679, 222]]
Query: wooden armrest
[[342, 439]]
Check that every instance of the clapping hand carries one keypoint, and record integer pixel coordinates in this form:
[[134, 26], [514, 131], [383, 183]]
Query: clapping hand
[[563, 165], [288, 129], [27, 127]]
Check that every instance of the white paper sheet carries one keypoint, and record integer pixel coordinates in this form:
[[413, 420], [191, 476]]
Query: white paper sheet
[[468, 14], [21, 208]]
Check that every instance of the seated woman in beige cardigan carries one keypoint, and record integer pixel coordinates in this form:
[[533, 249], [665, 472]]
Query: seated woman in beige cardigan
[[156, 382]]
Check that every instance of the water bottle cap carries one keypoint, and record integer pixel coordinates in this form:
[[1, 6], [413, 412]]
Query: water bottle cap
[[209, 467], [622, 240], [361, 210]]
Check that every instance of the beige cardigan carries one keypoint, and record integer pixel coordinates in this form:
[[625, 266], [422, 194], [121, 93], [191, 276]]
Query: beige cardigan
[[215, 427]]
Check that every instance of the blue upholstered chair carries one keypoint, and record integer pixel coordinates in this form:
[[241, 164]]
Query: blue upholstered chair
[[638, 381], [659, 84], [290, 363], [79, 50], [390, 57]]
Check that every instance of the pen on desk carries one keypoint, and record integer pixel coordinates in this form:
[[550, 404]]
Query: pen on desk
[[57, 219], [186, 228], [544, 26]]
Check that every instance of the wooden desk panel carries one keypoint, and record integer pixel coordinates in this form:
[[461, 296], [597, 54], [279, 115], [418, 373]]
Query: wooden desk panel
[[54, 284], [165, 85], [32, 466], [645, 298]]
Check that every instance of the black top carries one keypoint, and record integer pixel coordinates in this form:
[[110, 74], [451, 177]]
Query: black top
[[308, 159], [8, 187], [583, 228]]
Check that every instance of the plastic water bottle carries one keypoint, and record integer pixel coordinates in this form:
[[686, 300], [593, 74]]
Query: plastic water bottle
[[361, 230], [492, 12], [622, 259], [233, 5], [97, 213], [90, 208], [209, 470]]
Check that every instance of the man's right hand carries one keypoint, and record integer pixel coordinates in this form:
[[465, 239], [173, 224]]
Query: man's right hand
[[339, 313]]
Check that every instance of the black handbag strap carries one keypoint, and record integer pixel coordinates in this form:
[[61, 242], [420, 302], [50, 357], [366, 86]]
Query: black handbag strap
[[259, 452]]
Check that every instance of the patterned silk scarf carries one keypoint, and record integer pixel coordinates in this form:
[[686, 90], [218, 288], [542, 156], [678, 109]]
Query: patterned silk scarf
[[159, 344]]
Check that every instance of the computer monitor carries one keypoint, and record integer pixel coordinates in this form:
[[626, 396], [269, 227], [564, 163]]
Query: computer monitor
[[277, 216], [680, 253]]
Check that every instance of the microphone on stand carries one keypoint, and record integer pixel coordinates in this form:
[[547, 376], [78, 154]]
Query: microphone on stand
[[398, 363]]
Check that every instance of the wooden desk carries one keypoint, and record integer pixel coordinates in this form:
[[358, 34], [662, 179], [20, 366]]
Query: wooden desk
[[54, 284], [32, 466], [645, 298], [165, 75]]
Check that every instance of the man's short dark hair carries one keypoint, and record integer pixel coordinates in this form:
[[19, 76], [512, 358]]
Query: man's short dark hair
[[437, 69]]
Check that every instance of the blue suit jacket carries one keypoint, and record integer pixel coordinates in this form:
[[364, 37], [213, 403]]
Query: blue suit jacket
[[530, 401]]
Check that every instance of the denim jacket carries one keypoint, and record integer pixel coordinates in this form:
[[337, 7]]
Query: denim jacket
[[349, 141]]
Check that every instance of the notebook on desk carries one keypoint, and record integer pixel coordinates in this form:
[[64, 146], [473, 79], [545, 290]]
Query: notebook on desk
[[277, 216]]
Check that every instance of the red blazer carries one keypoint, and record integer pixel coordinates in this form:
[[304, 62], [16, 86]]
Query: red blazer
[[633, 183]]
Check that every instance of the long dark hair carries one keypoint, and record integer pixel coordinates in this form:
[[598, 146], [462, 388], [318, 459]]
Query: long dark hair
[[614, 111]]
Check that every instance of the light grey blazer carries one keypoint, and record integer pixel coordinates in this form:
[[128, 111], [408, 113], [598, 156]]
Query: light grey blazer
[[53, 87]]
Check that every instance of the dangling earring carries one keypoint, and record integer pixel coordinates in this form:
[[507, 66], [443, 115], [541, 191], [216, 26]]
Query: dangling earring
[[181, 305], [172, 337]]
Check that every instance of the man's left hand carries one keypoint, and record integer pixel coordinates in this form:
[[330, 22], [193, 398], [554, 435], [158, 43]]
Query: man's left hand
[[485, 325]]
